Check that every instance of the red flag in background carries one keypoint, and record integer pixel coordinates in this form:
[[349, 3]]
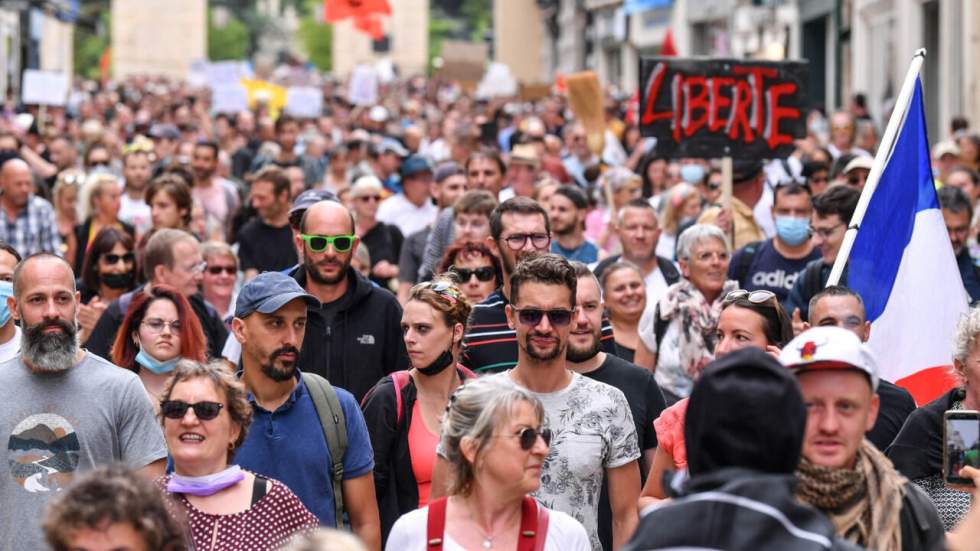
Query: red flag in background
[[336, 10], [369, 25], [668, 48]]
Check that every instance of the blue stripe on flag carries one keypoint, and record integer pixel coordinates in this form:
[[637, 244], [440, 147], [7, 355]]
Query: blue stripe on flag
[[906, 187]]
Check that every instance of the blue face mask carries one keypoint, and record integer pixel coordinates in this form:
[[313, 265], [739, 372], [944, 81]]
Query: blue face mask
[[6, 290], [793, 231], [154, 365], [692, 174]]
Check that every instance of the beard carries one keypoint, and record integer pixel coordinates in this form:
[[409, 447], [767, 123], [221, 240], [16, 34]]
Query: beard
[[585, 353], [539, 354], [289, 368], [311, 271], [50, 352]]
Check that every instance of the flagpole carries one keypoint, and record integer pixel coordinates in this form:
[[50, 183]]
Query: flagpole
[[878, 165]]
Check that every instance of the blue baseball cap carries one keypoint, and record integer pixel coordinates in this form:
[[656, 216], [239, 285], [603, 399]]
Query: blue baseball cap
[[268, 292], [311, 197], [416, 164]]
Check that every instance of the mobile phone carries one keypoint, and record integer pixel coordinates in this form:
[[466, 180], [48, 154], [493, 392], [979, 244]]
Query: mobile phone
[[961, 444]]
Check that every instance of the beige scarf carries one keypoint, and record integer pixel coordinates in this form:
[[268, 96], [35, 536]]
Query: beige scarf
[[864, 503]]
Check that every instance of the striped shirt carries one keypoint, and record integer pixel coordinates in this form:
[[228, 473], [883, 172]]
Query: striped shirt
[[490, 346]]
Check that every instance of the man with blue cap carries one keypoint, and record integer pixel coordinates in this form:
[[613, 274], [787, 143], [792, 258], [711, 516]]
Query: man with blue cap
[[288, 440], [412, 209]]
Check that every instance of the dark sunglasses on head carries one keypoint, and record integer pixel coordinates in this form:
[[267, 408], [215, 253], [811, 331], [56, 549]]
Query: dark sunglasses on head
[[319, 243], [532, 316], [529, 436], [215, 270], [177, 409], [755, 297], [115, 258], [485, 273]]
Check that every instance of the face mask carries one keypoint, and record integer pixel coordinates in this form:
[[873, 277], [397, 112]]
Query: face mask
[[439, 364], [692, 174], [205, 485], [793, 231], [154, 365], [118, 281], [6, 290]]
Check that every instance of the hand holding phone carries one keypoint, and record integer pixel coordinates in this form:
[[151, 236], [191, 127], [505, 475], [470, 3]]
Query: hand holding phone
[[961, 445]]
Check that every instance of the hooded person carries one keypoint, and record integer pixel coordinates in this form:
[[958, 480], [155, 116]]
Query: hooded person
[[744, 430]]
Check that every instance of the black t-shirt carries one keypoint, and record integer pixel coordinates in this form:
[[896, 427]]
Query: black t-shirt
[[646, 403], [384, 242], [768, 270], [896, 405], [265, 248]]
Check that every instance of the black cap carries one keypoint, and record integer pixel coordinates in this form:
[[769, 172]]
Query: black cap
[[746, 411], [744, 170]]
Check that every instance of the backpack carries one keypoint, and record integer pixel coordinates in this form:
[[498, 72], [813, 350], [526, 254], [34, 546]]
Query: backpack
[[747, 254], [659, 327], [334, 425], [400, 379]]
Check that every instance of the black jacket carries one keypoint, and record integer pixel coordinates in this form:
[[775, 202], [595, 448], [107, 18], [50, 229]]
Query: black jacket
[[394, 480], [362, 344], [104, 334], [736, 510]]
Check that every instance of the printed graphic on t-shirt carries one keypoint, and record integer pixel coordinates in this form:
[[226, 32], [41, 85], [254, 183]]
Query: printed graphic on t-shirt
[[43, 453]]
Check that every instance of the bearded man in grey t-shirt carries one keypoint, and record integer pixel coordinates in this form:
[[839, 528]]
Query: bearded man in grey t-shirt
[[63, 410]]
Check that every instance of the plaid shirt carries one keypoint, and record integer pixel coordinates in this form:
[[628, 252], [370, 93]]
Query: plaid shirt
[[34, 229]]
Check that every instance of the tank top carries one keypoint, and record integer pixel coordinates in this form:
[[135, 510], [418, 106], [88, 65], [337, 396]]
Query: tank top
[[422, 449]]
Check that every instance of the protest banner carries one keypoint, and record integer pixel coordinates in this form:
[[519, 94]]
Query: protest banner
[[710, 108], [585, 99], [363, 86], [304, 102], [44, 88], [463, 61], [230, 97]]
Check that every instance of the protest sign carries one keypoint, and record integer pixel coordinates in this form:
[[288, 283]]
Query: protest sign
[[712, 108], [44, 88], [304, 102], [363, 86], [463, 61], [230, 97], [585, 99]]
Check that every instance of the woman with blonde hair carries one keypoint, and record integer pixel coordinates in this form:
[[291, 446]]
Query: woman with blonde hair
[[100, 200], [680, 207]]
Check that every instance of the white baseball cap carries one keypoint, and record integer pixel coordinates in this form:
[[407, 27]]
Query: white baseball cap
[[829, 348]]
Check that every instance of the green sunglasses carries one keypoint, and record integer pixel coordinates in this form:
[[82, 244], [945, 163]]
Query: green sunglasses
[[319, 243]]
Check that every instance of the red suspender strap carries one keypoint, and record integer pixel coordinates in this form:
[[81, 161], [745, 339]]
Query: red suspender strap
[[435, 525], [400, 379]]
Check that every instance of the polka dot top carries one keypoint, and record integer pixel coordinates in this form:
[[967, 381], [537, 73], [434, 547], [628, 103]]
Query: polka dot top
[[267, 525]]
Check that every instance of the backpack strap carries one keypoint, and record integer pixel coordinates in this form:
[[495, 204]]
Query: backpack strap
[[746, 255], [400, 379], [812, 283], [435, 525], [334, 425], [669, 271], [659, 327]]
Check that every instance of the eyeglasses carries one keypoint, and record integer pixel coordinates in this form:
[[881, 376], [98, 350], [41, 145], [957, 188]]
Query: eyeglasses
[[485, 273], [517, 241], [755, 297], [367, 198], [826, 232], [115, 258], [528, 437], [156, 325], [713, 186], [319, 243], [532, 316], [177, 409], [197, 268], [216, 270]]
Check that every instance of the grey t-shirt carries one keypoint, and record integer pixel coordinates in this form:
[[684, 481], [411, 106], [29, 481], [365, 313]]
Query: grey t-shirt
[[56, 425]]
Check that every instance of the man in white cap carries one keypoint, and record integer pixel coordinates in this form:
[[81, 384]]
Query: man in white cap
[[841, 473]]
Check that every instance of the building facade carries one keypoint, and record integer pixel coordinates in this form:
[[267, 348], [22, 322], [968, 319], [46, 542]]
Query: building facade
[[406, 41]]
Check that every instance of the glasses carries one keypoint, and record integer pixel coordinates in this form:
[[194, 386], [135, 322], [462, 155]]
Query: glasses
[[115, 258], [517, 241], [367, 198], [713, 186], [443, 289], [216, 270], [528, 437], [485, 273], [319, 243], [532, 316], [826, 232], [755, 297], [855, 180], [177, 409], [156, 325], [197, 268]]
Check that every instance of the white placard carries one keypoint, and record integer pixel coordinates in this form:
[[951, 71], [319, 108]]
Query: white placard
[[304, 102], [363, 87], [498, 81], [226, 72], [229, 98], [44, 88]]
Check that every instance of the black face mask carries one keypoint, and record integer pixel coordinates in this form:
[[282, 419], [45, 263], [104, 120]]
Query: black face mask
[[118, 281], [439, 364]]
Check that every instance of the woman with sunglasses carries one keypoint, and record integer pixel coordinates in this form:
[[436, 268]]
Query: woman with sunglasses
[[159, 329], [100, 199], [748, 319], [476, 265], [383, 240], [404, 410], [205, 416], [495, 444], [625, 295], [220, 278], [108, 271]]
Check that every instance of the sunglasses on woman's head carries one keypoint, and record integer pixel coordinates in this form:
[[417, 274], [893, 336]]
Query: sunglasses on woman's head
[[755, 297], [319, 243], [177, 409], [115, 258], [484, 273]]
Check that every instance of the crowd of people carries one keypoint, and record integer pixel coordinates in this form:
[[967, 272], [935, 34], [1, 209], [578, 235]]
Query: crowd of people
[[445, 322]]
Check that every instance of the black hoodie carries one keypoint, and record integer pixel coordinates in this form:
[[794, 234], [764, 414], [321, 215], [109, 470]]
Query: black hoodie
[[362, 344]]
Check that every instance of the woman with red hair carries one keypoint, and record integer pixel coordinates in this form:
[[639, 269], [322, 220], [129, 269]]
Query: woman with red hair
[[159, 329]]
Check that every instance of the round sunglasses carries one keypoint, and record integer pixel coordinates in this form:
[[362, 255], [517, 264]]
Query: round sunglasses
[[529, 436], [177, 409]]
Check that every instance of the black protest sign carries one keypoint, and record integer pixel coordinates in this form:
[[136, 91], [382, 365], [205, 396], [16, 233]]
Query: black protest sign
[[713, 108]]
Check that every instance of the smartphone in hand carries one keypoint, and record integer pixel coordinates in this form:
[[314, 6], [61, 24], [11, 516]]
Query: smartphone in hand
[[961, 445]]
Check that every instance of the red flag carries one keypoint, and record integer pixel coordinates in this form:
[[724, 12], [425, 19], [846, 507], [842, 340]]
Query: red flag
[[336, 10], [369, 25], [668, 48]]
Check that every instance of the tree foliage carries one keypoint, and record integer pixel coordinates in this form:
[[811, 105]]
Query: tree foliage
[[231, 41]]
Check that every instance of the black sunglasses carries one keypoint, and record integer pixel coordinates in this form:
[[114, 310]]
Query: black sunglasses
[[532, 316], [485, 273], [215, 270], [115, 258], [529, 436], [177, 409]]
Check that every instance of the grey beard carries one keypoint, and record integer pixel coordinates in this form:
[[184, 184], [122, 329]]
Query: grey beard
[[50, 353]]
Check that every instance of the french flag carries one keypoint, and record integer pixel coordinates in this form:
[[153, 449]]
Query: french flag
[[902, 265]]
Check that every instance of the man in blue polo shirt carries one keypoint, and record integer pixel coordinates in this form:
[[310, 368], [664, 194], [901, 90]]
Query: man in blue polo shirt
[[286, 440]]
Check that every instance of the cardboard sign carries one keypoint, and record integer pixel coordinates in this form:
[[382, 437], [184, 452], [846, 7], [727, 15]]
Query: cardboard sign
[[463, 61], [304, 102], [585, 99], [713, 108], [44, 88]]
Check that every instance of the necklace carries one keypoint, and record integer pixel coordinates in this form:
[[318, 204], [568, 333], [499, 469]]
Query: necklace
[[487, 538]]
